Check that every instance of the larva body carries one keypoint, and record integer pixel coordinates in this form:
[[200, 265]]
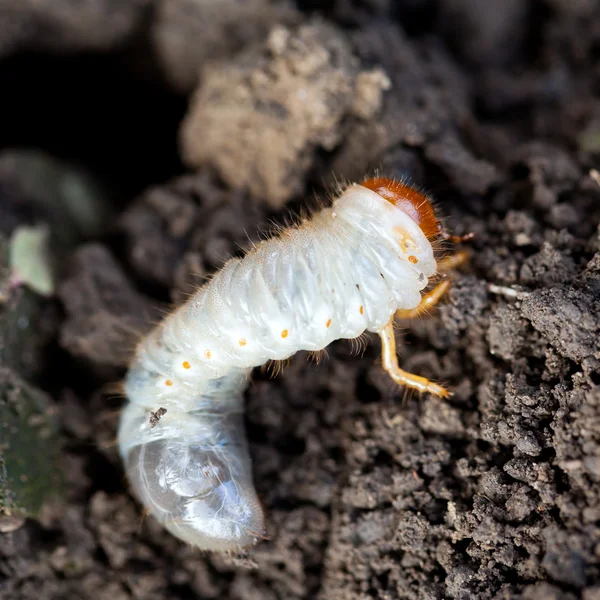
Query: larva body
[[345, 271]]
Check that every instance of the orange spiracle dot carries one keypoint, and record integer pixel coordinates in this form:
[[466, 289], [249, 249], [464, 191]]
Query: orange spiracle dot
[[361, 310], [168, 382], [185, 364], [242, 342], [413, 259], [284, 333], [328, 324], [207, 354]]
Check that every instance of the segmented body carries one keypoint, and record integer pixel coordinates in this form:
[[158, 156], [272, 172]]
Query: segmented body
[[344, 271]]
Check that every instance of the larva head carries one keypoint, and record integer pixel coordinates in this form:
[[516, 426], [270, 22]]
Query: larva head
[[416, 205], [202, 493]]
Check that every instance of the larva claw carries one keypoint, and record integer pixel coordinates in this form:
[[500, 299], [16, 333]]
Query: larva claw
[[390, 364]]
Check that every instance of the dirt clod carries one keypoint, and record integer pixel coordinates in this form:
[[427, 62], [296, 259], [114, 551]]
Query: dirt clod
[[260, 120], [105, 314], [188, 33]]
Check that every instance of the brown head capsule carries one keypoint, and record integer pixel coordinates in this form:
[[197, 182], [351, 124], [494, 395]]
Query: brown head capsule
[[407, 199], [415, 204]]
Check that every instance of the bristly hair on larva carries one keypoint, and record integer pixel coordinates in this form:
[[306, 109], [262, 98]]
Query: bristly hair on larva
[[359, 344], [274, 368], [349, 269], [315, 357]]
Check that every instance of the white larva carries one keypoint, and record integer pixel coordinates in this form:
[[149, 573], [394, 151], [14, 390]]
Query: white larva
[[348, 269]]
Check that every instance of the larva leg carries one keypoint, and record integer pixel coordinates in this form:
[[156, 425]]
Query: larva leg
[[390, 364], [428, 301], [452, 261]]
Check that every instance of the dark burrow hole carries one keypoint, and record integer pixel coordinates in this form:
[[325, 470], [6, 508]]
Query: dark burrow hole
[[96, 112]]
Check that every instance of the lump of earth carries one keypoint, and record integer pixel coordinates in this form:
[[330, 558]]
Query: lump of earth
[[187, 34], [260, 120]]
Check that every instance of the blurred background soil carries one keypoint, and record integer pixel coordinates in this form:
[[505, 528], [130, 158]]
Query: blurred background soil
[[167, 133]]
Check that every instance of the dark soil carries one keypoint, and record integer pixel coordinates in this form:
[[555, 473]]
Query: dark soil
[[369, 492]]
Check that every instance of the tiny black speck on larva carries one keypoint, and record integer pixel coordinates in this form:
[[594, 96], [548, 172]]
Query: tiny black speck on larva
[[181, 435]]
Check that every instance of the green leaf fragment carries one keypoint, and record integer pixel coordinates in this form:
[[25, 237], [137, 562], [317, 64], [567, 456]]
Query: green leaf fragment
[[29, 259]]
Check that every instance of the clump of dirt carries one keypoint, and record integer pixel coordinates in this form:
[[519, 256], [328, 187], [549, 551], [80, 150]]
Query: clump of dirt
[[186, 34], [370, 493], [107, 335], [259, 120]]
